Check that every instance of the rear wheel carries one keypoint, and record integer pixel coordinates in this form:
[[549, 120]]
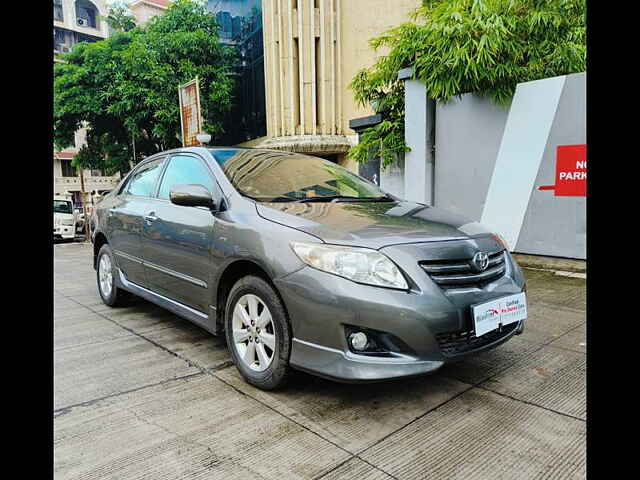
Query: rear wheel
[[105, 274], [258, 333]]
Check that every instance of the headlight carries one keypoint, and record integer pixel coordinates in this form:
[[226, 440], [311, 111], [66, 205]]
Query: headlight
[[361, 265]]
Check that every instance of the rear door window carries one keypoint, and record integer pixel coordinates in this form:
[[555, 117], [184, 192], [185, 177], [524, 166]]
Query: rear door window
[[143, 181]]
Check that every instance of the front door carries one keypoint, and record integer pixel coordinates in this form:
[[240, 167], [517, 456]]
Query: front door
[[177, 239], [125, 222]]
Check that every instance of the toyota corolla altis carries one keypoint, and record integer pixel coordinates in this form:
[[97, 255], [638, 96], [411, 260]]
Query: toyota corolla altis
[[303, 264]]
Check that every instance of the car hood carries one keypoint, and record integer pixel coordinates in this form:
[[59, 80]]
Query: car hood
[[372, 224]]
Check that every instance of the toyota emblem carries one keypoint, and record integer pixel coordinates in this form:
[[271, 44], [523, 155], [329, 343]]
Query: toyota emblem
[[480, 261]]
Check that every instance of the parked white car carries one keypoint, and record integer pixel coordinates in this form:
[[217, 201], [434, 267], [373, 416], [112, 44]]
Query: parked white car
[[64, 218]]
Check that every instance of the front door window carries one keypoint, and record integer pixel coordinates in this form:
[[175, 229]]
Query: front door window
[[185, 169]]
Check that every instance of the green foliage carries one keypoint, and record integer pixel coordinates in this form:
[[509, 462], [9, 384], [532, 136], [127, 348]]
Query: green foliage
[[464, 46], [120, 18], [126, 87]]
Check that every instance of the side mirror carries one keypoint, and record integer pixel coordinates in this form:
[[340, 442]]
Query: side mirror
[[191, 195]]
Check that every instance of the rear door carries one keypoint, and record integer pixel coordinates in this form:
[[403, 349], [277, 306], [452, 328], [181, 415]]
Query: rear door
[[177, 239], [125, 219]]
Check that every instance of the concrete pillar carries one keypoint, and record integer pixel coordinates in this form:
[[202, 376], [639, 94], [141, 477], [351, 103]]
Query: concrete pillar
[[391, 178], [419, 128]]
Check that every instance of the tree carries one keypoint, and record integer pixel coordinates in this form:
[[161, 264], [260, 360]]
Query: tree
[[126, 87], [120, 18], [463, 46]]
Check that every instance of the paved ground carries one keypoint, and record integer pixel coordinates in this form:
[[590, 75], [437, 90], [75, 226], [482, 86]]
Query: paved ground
[[140, 393]]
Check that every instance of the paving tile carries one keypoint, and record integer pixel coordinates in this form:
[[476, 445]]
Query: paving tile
[[353, 416], [71, 312], [89, 299], [191, 428], [72, 291], [482, 435], [548, 288], [479, 367], [548, 322], [552, 378], [61, 302], [64, 305], [192, 342], [82, 329], [87, 372], [143, 317], [575, 340], [356, 469]]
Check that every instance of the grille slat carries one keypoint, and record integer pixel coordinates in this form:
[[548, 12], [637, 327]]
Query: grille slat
[[460, 273], [453, 268], [456, 343]]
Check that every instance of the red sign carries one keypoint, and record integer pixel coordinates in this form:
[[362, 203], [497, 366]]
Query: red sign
[[571, 172]]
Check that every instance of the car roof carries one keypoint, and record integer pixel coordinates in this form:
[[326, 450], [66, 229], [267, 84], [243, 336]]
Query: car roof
[[214, 148]]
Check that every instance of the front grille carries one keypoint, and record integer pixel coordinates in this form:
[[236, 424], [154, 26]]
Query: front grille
[[456, 343], [460, 273]]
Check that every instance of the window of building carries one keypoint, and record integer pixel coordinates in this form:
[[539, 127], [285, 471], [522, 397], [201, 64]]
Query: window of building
[[184, 169], [143, 181], [68, 170], [60, 40], [57, 11], [86, 14]]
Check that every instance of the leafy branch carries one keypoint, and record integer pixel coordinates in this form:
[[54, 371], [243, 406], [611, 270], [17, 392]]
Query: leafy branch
[[463, 46]]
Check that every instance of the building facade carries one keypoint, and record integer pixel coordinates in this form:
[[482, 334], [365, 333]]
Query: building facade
[[145, 10], [312, 50], [77, 21]]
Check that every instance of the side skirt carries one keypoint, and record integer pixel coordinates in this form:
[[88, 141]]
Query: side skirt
[[199, 318]]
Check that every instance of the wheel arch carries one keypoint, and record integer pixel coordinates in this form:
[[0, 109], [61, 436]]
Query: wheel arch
[[99, 240], [231, 274]]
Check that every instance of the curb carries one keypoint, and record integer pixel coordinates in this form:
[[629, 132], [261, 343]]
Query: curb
[[551, 263]]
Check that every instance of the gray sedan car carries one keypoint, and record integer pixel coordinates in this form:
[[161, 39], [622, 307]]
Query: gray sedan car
[[302, 264]]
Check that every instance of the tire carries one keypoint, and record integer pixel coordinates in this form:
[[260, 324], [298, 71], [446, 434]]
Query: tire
[[114, 297], [276, 332]]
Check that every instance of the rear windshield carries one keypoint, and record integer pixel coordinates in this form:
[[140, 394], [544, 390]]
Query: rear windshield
[[62, 206], [268, 176]]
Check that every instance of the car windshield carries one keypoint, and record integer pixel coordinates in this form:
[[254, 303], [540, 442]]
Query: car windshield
[[268, 176], [62, 206]]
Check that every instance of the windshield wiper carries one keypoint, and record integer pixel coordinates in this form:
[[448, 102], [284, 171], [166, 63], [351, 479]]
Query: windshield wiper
[[336, 198]]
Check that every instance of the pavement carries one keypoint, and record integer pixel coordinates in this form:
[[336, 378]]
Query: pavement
[[140, 393], [540, 262]]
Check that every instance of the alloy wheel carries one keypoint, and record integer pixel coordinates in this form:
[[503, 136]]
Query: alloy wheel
[[253, 332], [105, 275]]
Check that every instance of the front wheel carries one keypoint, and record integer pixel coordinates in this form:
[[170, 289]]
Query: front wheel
[[106, 272], [258, 333]]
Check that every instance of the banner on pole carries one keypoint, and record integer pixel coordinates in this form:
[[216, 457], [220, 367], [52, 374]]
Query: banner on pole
[[190, 118]]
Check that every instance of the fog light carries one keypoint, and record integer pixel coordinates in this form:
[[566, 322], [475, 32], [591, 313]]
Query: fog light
[[358, 340]]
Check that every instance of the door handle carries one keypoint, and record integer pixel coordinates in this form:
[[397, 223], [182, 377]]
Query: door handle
[[150, 218]]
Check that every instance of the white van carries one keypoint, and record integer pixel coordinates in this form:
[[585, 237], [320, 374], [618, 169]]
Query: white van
[[64, 217]]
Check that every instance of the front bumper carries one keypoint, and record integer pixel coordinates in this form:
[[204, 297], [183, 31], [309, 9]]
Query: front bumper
[[64, 231], [320, 305]]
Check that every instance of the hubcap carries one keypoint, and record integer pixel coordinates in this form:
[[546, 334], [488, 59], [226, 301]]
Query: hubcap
[[105, 276], [253, 332]]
